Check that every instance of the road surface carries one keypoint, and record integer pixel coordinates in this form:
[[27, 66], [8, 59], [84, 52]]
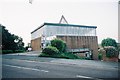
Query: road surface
[[17, 66]]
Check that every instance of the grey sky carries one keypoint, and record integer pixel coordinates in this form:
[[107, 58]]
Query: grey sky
[[20, 17]]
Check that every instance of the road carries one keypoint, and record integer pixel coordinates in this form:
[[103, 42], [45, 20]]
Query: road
[[16, 66]]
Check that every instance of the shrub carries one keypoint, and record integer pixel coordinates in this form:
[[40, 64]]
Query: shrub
[[100, 56], [59, 44], [50, 50], [110, 52]]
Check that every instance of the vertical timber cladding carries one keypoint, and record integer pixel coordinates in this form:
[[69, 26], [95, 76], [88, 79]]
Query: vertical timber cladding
[[36, 44], [74, 42]]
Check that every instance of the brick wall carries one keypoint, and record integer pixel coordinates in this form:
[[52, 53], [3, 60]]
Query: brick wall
[[74, 42]]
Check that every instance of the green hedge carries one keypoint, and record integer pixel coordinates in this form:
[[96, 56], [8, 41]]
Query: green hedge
[[19, 51], [7, 51], [11, 51]]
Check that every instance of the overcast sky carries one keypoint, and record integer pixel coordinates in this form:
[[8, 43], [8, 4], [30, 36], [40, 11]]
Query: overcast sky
[[21, 18]]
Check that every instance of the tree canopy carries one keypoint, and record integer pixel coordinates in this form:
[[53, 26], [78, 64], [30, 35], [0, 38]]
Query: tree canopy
[[10, 41], [109, 42]]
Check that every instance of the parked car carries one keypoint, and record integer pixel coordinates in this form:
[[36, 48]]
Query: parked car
[[29, 49]]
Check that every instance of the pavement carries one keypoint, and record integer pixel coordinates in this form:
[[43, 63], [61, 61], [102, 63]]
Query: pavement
[[31, 53]]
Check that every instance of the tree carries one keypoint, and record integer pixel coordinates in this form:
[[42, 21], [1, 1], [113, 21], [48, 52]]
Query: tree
[[109, 42], [10, 41], [7, 39], [59, 44], [19, 42]]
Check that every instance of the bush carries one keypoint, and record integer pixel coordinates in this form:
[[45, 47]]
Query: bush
[[100, 56], [50, 50], [59, 44], [110, 52], [53, 56]]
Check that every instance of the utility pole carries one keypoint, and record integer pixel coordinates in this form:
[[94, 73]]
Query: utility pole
[[118, 22]]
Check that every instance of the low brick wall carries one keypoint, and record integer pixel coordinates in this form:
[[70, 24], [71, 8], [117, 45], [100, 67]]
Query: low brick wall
[[114, 59]]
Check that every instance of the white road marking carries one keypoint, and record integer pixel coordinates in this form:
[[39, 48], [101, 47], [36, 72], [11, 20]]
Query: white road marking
[[26, 68], [44, 71], [79, 76]]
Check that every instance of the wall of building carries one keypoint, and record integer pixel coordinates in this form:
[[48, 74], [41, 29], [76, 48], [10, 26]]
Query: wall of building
[[74, 42], [36, 44], [69, 30], [38, 33], [74, 36]]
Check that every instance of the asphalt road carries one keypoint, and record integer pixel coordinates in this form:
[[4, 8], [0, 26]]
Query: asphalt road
[[35, 67]]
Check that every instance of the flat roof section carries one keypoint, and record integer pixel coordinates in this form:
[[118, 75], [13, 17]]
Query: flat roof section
[[58, 24]]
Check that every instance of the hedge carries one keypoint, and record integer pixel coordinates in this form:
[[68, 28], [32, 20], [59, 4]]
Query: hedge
[[11, 51]]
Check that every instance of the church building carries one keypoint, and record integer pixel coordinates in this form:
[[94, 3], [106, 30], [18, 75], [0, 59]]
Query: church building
[[80, 39]]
